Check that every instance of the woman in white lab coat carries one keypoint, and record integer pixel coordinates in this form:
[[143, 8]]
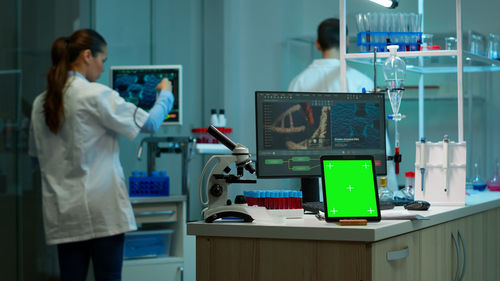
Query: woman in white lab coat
[[74, 134]]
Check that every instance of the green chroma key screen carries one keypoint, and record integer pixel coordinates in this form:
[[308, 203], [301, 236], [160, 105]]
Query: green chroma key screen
[[349, 188]]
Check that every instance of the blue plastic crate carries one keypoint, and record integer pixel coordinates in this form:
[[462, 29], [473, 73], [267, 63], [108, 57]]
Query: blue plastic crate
[[147, 244], [149, 186], [407, 41]]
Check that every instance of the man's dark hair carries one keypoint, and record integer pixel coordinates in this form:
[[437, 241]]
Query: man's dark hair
[[328, 34]]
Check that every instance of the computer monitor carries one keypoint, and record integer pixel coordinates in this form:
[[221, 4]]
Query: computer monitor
[[136, 84], [295, 128]]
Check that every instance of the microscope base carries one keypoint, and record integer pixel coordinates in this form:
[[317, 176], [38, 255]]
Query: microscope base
[[211, 214]]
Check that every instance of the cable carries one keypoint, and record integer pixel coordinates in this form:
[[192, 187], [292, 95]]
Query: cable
[[201, 181], [135, 120]]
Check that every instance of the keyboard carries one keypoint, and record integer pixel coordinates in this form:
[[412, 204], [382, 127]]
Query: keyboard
[[313, 207]]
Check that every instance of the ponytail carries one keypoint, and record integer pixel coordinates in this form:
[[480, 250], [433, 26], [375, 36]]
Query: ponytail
[[56, 80], [65, 51]]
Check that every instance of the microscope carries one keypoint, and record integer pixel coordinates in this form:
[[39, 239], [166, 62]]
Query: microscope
[[219, 179]]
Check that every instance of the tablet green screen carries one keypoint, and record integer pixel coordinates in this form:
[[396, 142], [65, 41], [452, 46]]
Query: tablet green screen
[[350, 188]]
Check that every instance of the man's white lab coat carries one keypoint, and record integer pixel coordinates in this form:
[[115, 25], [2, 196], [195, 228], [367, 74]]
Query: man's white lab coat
[[323, 75]]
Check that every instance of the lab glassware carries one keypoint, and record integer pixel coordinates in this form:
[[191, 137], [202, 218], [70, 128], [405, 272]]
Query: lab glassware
[[494, 46], [450, 43], [476, 44], [494, 182], [385, 195], [427, 42], [360, 22], [478, 183], [394, 74]]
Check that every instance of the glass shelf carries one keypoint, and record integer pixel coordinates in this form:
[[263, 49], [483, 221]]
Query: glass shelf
[[433, 62]]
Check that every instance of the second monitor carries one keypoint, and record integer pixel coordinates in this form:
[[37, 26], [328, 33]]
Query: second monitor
[[136, 84], [295, 128]]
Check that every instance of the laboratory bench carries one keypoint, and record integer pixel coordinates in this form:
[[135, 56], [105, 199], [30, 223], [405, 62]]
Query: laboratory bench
[[454, 243]]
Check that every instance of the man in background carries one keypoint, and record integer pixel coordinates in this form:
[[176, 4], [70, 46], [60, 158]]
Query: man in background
[[323, 75]]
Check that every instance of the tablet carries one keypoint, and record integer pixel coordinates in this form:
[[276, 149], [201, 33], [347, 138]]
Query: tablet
[[349, 187]]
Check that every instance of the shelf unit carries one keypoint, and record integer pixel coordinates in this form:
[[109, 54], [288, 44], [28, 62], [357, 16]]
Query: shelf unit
[[458, 54], [481, 148], [164, 212], [441, 62], [167, 212]]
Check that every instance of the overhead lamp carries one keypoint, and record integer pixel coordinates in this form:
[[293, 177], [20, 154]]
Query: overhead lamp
[[391, 4]]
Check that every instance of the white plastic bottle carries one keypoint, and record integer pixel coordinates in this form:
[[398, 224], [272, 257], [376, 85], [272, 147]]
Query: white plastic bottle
[[222, 119], [214, 119]]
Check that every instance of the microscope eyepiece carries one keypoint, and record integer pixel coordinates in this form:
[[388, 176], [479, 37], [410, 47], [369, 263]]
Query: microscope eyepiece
[[221, 137]]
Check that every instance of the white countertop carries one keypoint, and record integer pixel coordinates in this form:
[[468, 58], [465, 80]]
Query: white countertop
[[157, 199], [311, 228]]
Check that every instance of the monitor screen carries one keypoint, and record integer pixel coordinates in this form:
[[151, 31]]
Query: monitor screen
[[136, 84], [294, 129]]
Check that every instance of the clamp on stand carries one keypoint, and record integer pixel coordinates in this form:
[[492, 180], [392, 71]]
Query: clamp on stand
[[219, 179], [396, 158]]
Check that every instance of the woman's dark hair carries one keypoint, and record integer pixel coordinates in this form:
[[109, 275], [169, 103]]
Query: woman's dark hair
[[328, 34], [65, 50]]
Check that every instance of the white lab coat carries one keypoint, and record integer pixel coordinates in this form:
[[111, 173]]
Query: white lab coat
[[323, 75], [84, 193]]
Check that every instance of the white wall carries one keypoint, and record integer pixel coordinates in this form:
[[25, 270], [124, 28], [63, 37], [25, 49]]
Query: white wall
[[158, 32]]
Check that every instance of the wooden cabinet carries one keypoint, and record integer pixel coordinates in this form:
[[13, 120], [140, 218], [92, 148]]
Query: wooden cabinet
[[466, 248], [252, 259], [439, 248], [397, 258], [225, 258]]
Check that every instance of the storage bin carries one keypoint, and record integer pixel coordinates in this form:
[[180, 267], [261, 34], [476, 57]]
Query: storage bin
[[149, 186], [147, 244]]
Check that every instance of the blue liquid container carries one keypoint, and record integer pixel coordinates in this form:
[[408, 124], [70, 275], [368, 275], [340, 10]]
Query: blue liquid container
[[478, 183]]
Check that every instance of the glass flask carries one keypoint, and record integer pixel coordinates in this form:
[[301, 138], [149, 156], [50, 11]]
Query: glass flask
[[478, 183], [394, 74], [494, 182]]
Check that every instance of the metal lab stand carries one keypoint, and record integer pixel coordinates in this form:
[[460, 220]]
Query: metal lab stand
[[183, 145]]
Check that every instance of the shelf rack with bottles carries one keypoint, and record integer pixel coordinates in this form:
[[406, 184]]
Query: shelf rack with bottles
[[457, 54], [440, 62]]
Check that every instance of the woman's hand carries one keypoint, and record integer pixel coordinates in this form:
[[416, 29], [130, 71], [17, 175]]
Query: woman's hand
[[165, 84]]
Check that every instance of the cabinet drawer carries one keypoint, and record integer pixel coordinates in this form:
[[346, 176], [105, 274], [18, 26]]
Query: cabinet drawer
[[152, 270], [156, 212], [396, 258]]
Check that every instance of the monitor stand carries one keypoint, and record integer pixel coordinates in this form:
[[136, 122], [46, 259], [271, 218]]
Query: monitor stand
[[310, 189]]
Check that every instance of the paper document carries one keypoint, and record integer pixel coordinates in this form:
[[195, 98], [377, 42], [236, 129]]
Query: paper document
[[401, 215]]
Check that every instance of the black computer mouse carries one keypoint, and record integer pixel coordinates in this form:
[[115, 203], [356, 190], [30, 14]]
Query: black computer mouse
[[419, 205]]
